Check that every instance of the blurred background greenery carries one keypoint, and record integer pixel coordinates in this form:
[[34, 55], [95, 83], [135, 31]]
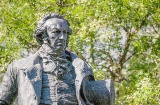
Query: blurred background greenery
[[120, 39]]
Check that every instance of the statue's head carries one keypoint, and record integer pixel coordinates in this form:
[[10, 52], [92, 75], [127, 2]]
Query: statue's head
[[54, 30]]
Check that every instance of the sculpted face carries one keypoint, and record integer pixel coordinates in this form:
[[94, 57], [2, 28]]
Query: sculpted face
[[57, 30]]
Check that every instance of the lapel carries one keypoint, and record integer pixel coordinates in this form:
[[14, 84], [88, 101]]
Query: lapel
[[83, 74], [33, 73], [78, 67]]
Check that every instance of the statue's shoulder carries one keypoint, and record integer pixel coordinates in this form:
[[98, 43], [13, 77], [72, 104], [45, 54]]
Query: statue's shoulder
[[26, 62], [81, 67], [74, 57]]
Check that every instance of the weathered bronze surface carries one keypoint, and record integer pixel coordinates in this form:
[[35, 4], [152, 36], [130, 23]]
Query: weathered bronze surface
[[53, 75]]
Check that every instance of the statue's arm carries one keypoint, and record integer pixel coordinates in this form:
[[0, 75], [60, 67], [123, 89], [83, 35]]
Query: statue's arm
[[100, 92], [8, 87], [97, 92]]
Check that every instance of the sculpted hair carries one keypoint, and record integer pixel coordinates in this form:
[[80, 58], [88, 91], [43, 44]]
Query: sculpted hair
[[40, 31]]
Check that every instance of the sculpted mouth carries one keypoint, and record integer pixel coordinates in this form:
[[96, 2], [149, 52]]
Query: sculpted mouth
[[59, 44]]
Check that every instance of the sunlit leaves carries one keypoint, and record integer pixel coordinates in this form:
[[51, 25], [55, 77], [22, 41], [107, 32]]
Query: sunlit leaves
[[119, 38]]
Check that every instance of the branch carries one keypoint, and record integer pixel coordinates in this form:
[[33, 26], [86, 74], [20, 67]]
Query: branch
[[143, 21], [113, 74], [122, 79], [110, 57], [155, 29], [121, 61], [130, 57]]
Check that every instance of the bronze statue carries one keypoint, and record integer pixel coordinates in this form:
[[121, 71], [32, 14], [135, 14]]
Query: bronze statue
[[53, 75]]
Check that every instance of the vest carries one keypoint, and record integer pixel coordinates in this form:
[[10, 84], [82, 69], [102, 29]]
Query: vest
[[58, 82]]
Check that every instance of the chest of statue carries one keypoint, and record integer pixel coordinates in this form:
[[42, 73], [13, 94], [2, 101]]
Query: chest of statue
[[58, 89]]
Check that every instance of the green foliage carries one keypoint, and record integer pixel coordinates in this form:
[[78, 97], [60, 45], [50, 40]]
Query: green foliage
[[118, 38]]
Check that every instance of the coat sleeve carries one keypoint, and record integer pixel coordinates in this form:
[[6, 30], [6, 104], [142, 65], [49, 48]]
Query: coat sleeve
[[8, 87], [100, 92]]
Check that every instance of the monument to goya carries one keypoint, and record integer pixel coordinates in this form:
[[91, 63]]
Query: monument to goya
[[53, 75]]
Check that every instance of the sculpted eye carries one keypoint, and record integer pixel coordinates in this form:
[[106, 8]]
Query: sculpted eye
[[56, 31], [65, 32]]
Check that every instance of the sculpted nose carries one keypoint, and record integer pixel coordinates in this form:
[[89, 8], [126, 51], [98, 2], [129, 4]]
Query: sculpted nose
[[61, 36]]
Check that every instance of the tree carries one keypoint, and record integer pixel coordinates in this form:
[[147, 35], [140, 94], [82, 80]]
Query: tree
[[119, 38]]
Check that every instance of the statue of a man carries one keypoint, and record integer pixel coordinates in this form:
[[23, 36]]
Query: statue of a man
[[53, 75]]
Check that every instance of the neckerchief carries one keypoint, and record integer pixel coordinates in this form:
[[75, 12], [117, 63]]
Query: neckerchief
[[54, 65]]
